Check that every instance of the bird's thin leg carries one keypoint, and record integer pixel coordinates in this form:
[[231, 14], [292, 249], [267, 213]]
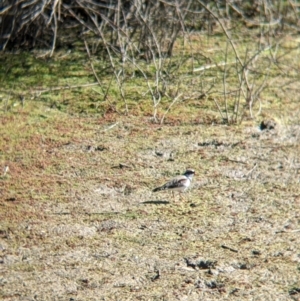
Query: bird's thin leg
[[182, 196]]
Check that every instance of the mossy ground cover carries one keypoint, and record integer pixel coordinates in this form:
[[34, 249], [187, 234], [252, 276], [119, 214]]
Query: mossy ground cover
[[79, 220]]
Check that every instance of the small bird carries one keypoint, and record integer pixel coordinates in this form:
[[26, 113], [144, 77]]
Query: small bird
[[179, 183]]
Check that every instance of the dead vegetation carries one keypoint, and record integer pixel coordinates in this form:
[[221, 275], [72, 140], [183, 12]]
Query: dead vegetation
[[157, 45], [85, 138], [78, 219]]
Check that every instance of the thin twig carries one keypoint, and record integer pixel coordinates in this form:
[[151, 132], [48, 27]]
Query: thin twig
[[224, 85], [92, 65], [230, 249], [251, 170], [169, 107], [110, 127], [220, 111], [206, 67], [55, 27]]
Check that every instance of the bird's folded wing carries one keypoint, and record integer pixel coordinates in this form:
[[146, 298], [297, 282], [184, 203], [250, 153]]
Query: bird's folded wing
[[176, 182]]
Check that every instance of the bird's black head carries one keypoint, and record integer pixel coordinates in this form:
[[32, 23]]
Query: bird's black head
[[189, 172]]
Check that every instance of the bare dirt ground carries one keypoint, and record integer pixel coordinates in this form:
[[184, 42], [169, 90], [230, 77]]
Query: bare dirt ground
[[79, 220]]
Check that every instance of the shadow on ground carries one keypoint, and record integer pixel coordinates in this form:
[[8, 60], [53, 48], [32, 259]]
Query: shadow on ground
[[156, 202]]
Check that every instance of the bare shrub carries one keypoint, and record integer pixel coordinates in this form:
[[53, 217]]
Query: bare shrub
[[134, 35]]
